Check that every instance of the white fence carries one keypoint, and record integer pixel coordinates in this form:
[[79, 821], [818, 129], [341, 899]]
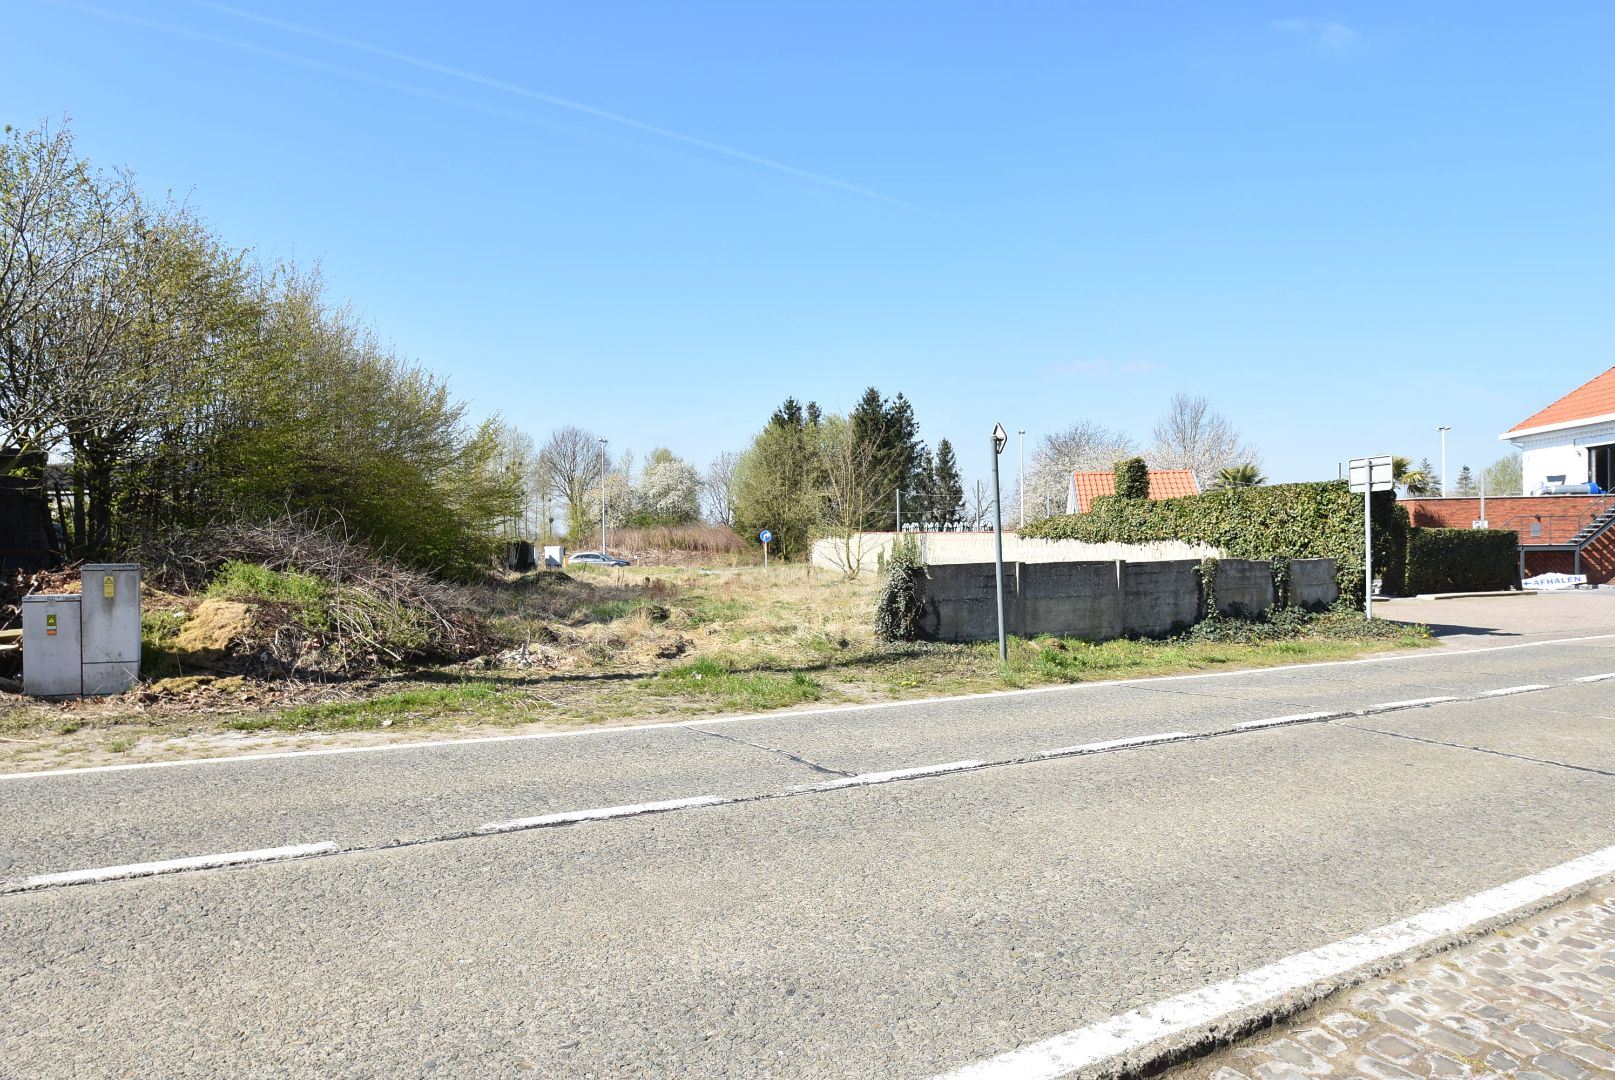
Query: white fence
[[867, 550]]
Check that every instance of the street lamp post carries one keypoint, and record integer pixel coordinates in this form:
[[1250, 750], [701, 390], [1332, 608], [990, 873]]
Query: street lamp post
[[999, 439], [1444, 428], [605, 464], [1023, 479]]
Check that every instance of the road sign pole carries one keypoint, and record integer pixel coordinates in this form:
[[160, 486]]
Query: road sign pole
[[765, 554], [1368, 551]]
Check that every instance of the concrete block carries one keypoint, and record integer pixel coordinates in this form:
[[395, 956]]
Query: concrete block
[[1312, 583], [1159, 598], [1076, 599], [961, 602], [1244, 587]]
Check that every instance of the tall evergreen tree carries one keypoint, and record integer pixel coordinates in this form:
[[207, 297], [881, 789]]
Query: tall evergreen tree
[[887, 434], [948, 490]]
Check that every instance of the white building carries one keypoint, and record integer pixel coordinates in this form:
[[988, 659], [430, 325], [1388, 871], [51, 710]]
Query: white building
[[1571, 442]]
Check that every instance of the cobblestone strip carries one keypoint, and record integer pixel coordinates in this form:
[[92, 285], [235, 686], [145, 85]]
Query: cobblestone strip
[[1533, 1001]]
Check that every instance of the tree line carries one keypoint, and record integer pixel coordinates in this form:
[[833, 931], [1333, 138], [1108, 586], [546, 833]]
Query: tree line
[[183, 382]]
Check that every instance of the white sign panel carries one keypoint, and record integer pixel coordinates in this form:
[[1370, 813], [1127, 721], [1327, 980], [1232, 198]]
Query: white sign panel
[[1554, 581], [1371, 473]]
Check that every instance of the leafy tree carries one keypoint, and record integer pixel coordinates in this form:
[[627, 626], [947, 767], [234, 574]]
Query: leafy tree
[[669, 491], [1415, 482], [1132, 478], [1232, 476], [1505, 476], [947, 489], [778, 483]]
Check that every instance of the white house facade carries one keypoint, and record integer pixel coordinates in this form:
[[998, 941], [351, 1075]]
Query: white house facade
[[1571, 443]]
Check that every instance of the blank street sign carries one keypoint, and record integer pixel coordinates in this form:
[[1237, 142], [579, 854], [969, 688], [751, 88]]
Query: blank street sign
[[1371, 473]]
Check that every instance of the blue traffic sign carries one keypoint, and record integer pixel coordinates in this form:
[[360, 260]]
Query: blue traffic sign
[[765, 536]]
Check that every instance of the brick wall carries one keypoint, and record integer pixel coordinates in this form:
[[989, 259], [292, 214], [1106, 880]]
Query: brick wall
[[1560, 517]]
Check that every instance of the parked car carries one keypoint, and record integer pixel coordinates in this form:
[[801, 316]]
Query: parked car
[[596, 558]]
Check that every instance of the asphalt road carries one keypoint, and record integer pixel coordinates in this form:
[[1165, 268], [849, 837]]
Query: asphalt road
[[888, 929]]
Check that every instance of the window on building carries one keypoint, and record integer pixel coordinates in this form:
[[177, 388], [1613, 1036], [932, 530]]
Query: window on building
[[1601, 465]]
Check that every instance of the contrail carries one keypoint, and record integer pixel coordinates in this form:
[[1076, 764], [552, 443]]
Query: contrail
[[566, 103]]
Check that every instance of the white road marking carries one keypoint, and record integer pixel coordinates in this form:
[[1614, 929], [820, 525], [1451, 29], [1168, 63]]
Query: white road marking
[[1410, 703], [1507, 690], [1325, 967], [600, 814], [1298, 718], [172, 866], [1113, 744], [866, 779], [441, 744], [1596, 678]]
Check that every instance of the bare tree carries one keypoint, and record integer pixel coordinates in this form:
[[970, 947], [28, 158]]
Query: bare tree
[[1191, 436], [571, 463], [718, 488], [981, 504], [1085, 446]]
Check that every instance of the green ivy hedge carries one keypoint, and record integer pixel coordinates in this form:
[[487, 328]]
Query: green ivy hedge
[[1279, 521], [1462, 560]]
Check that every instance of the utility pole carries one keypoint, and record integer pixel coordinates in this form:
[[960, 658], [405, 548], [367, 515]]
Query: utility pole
[[999, 439], [605, 466], [899, 509], [1023, 479], [1444, 429]]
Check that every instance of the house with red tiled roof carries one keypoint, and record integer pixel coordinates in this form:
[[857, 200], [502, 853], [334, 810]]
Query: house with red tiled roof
[[1164, 484], [1571, 443]]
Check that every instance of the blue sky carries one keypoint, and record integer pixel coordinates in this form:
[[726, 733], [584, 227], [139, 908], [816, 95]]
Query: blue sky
[[1343, 225]]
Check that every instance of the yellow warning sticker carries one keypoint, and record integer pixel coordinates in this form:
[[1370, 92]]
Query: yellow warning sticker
[[107, 586]]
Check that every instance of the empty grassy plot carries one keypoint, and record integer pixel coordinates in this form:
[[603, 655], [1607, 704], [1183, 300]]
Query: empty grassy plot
[[478, 699], [712, 678]]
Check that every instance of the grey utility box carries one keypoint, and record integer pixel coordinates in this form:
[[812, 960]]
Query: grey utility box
[[52, 664], [110, 627]]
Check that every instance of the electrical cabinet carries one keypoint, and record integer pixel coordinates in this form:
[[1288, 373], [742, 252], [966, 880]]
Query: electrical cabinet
[[52, 663], [110, 627]]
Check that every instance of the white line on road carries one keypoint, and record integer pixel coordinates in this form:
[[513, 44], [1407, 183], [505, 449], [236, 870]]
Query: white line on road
[[1507, 690], [1596, 678], [573, 816], [1410, 703], [1112, 744], [174, 866], [866, 779], [442, 744], [1325, 968], [1298, 718]]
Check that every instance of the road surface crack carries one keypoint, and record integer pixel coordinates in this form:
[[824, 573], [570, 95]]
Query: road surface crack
[[799, 759], [1477, 749]]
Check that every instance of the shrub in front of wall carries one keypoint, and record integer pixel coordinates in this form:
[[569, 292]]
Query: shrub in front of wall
[[1279, 521], [902, 595], [1462, 560], [1132, 479]]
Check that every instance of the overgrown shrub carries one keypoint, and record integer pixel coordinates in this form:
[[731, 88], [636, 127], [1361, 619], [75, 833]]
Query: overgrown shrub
[[1132, 479], [897, 611], [1462, 560], [1282, 521]]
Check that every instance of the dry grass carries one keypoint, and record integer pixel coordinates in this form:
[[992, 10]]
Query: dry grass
[[599, 646]]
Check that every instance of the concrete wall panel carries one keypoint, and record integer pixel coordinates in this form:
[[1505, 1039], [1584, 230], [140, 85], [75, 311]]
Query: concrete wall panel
[[1244, 586], [1082, 599], [1159, 598], [1312, 583]]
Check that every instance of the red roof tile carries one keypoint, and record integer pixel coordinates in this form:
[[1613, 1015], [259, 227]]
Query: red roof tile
[[1164, 484], [1596, 398]]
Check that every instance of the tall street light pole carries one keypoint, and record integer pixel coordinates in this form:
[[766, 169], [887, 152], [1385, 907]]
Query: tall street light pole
[[605, 465], [999, 439], [1023, 479], [1444, 428]]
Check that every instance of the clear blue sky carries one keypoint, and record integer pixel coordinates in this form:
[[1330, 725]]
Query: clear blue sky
[[1344, 225]]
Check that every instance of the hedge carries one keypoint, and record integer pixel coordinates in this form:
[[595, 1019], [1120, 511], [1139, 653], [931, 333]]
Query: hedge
[[1462, 560], [1278, 521]]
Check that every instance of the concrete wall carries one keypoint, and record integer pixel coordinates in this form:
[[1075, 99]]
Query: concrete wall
[[937, 548], [1312, 583], [1244, 587], [1101, 600]]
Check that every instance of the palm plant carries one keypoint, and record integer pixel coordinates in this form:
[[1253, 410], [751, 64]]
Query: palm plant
[[1415, 482], [1238, 476]]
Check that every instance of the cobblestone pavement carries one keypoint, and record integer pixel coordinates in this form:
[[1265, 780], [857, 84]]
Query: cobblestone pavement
[[1535, 1001]]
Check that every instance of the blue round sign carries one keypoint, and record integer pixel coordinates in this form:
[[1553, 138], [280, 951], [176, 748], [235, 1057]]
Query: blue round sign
[[765, 536]]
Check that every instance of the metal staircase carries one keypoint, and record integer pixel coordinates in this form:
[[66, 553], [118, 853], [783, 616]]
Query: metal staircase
[[1594, 528]]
